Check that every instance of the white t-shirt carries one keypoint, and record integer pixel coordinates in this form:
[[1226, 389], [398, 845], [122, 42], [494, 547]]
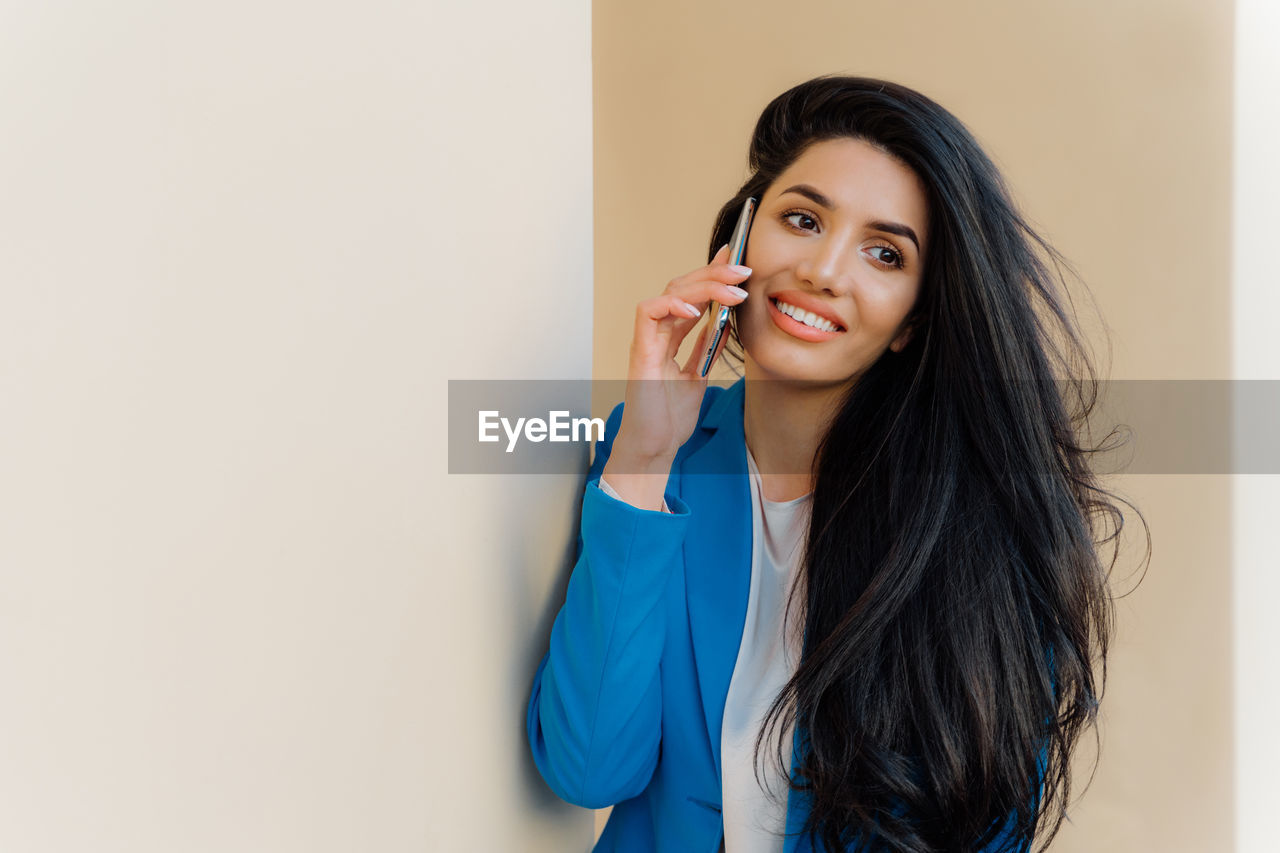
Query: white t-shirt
[[753, 822]]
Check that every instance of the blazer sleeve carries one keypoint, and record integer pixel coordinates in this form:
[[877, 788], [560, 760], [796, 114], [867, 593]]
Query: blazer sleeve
[[595, 710]]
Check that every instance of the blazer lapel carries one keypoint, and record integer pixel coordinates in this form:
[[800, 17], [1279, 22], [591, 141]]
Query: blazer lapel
[[718, 554]]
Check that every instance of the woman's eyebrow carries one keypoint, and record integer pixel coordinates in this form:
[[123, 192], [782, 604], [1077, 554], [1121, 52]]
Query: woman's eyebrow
[[822, 201], [896, 228], [811, 194]]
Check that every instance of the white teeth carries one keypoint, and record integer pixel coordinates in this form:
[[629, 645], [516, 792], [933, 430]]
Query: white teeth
[[806, 317]]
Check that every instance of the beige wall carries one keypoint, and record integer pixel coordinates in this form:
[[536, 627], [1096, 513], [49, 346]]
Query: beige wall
[[243, 247], [1112, 123]]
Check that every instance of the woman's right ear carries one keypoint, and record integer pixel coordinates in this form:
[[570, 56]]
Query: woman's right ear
[[904, 337]]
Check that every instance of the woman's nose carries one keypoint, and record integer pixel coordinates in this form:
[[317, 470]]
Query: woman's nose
[[828, 265]]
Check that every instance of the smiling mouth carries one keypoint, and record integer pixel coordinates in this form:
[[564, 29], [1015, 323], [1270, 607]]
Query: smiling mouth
[[808, 318]]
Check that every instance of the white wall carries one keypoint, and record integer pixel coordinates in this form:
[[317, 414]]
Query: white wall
[[1256, 497], [243, 246]]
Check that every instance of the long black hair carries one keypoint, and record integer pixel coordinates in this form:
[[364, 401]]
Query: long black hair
[[957, 614]]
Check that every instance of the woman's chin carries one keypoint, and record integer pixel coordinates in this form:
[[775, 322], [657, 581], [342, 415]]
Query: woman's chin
[[799, 371]]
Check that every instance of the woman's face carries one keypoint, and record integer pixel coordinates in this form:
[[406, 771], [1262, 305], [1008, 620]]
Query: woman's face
[[840, 235]]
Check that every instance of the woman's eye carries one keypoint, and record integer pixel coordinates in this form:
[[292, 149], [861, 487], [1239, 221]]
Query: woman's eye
[[805, 221], [887, 256]]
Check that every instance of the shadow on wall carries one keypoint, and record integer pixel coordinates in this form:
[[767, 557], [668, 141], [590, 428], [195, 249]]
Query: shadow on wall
[[526, 577]]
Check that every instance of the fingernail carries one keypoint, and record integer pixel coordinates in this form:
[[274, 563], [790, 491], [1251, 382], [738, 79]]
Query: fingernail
[[740, 269], [691, 311], [722, 248], [738, 290]]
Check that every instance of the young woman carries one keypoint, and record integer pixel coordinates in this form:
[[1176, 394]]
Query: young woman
[[878, 547]]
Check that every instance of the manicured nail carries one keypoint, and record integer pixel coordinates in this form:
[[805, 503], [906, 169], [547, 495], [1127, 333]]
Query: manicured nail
[[690, 310], [722, 248], [737, 290], [740, 269]]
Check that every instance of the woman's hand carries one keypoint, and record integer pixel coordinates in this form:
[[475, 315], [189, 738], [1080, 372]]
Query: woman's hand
[[662, 397]]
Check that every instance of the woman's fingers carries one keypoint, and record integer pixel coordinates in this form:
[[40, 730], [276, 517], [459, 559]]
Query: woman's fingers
[[664, 321], [664, 306], [716, 271], [694, 361], [701, 294], [704, 295], [679, 334], [661, 323], [711, 283]]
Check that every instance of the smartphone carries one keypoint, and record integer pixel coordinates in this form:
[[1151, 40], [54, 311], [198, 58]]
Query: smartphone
[[719, 314]]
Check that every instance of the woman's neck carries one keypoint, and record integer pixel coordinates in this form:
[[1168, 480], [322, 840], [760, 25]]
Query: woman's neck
[[783, 423]]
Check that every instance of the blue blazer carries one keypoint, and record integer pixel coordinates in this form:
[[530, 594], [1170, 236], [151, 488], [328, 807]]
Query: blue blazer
[[626, 706]]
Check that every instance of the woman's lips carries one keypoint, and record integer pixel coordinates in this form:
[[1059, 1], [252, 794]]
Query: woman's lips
[[797, 329]]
